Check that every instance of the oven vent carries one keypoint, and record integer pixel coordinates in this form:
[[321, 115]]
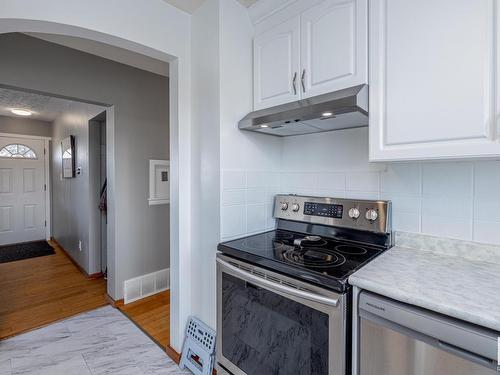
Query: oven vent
[[260, 274]]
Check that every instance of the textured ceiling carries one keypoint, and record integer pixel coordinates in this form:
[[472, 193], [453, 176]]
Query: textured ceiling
[[191, 5], [43, 107]]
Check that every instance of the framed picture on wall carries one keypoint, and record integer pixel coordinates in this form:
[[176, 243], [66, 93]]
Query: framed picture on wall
[[68, 157], [159, 182]]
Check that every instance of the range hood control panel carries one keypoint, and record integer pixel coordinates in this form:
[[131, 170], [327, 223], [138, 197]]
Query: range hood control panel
[[367, 215]]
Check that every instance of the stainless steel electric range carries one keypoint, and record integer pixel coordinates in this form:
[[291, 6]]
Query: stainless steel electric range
[[283, 300]]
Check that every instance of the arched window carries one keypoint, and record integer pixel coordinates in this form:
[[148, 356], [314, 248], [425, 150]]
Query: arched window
[[17, 151]]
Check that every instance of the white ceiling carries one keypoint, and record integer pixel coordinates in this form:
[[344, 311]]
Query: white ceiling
[[191, 5], [44, 108]]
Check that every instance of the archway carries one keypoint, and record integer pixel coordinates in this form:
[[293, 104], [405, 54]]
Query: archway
[[179, 145]]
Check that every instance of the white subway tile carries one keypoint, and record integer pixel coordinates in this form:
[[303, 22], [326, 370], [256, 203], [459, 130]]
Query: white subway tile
[[487, 207], [401, 178], [487, 178], [406, 222], [232, 197], [256, 196], [233, 221], [257, 179], [363, 181], [402, 202], [330, 193], [296, 180], [330, 181], [447, 227], [271, 221], [256, 218], [447, 206], [487, 231], [232, 179], [361, 195], [447, 179]]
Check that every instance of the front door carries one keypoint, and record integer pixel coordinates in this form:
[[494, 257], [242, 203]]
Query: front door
[[22, 190]]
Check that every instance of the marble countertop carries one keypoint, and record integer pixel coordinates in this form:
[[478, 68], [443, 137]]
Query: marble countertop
[[455, 278]]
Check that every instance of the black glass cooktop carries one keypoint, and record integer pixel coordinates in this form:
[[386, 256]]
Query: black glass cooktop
[[323, 261]]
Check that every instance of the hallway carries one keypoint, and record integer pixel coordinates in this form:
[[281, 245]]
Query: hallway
[[39, 291]]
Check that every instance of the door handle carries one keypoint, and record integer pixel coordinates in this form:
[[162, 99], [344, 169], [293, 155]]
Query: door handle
[[302, 80], [294, 81]]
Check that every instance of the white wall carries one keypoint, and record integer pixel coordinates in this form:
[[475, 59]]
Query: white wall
[[206, 157]]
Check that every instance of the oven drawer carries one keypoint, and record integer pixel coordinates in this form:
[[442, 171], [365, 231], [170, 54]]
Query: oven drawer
[[268, 323]]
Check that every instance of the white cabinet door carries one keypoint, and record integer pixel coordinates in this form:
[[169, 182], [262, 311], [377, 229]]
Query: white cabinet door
[[22, 194], [334, 46], [277, 65], [433, 75]]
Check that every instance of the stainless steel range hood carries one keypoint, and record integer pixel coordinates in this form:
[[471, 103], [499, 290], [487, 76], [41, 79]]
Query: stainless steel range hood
[[341, 109]]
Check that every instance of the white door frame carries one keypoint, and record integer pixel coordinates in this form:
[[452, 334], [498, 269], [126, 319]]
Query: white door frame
[[46, 158]]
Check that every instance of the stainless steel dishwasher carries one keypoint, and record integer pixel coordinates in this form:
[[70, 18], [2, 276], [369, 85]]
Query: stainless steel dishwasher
[[400, 339]]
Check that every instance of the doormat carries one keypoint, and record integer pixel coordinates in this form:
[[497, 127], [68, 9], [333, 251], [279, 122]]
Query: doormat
[[19, 251]]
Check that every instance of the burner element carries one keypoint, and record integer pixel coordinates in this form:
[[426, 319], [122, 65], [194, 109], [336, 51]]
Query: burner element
[[309, 241], [314, 257], [351, 250]]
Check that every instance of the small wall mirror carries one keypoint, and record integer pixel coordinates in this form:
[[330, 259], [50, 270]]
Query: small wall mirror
[[68, 157]]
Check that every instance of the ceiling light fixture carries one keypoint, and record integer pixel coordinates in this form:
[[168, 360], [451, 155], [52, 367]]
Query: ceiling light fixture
[[264, 126], [21, 112], [327, 114]]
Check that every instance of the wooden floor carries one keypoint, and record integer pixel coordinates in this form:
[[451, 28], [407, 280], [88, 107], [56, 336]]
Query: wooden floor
[[38, 291], [152, 315]]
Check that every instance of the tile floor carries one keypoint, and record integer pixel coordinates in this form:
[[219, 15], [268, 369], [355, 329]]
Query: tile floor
[[98, 342]]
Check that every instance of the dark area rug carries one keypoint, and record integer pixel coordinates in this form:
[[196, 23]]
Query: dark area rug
[[10, 253]]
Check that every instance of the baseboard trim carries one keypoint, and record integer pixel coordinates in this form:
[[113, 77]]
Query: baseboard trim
[[176, 357], [115, 303], [92, 276]]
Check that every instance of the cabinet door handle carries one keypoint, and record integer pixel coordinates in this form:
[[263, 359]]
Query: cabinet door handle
[[294, 81], [302, 80]]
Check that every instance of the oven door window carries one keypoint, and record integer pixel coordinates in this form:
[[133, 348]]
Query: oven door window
[[265, 333]]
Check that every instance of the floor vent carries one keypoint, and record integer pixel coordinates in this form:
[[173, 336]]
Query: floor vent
[[146, 285]]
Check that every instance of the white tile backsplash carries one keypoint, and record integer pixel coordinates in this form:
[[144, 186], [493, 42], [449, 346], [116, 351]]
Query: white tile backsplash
[[447, 199]]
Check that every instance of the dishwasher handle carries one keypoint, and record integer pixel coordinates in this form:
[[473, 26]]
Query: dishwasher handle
[[465, 354]]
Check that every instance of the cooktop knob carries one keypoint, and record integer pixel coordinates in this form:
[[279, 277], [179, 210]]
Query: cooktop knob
[[284, 206], [295, 207], [354, 213], [371, 215]]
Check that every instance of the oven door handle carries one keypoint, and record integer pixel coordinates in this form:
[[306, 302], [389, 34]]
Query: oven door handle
[[259, 281]]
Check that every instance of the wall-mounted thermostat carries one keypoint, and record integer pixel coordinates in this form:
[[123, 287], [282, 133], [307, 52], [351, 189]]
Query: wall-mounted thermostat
[[159, 182]]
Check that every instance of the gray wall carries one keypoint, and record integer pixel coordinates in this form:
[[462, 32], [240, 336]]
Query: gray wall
[[137, 127], [71, 196], [25, 126]]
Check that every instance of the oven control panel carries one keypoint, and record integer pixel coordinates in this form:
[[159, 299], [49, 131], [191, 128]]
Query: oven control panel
[[368, 215], [324, 210]]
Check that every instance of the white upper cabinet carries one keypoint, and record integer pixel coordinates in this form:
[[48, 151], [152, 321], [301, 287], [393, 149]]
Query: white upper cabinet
[[334, 46], [315, 51], [277, 65], [433, 79]]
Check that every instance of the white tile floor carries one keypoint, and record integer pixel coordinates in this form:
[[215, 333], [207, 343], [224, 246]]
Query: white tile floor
[[98, 342]]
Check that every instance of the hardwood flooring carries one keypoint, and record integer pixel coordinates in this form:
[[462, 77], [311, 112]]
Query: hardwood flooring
[[152, 315], [38, 291]]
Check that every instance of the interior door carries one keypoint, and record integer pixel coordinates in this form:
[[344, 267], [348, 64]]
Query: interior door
[[22, 190], [334, 46], [277, 64]]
